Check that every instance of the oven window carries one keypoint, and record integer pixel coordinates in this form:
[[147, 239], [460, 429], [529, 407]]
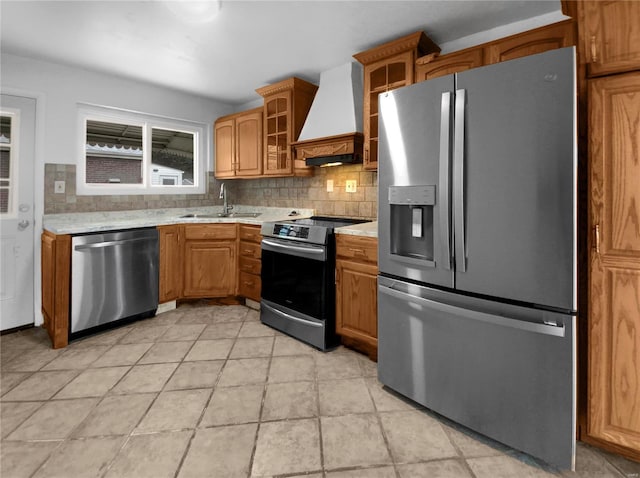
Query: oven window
[[297, 283]]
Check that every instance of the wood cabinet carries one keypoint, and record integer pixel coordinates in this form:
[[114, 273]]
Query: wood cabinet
[[249, 262], [614, 282], [610, 35], [56, 286], [387, 67], [238, 143], [428, 68], [286, 105], [357, 292], [209, 260], [170, 262]]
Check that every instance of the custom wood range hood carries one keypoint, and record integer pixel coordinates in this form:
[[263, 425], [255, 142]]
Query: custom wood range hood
[[332, 132]]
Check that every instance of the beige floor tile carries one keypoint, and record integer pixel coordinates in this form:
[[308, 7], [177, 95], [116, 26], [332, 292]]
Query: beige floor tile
[[40, 386], [145, 378], [342, 397], [293, 368], [210, 350], [78, 358], [157, 455], [414, 436], [383, 472], [115, 415], [202, 374], [182, 332], [287, 447], [474, 445], [54, 420], [332, 366], [386, 400], [205, 317], [628, 468], [226, 330], [30, 361], [22, 459], [233, 405], [353, 440], [109, 337], [175, 410], [140, 335], [244, 372], [284, 401], [288, 346], [253, 315], [88, 457], [163, 352], [230, 313], [92, 382], [8, 380], [504, 466], [13, 414], [127, 354], [220, 452], [435, 469], [256, 329], [369, 367], [252, 347]]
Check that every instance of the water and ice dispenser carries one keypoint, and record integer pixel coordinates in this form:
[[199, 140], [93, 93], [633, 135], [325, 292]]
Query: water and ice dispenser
[[411, 234]]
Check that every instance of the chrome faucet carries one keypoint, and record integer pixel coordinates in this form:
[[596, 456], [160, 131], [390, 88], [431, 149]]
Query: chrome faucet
[[225, 205]]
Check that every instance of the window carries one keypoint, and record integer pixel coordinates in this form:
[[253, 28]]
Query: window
[[8, 127], [131, 153]]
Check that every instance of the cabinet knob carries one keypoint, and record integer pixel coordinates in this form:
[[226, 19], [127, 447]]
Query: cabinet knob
[[597, 238]]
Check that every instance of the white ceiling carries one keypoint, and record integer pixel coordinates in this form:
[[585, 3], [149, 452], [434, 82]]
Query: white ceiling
[[247, 45]]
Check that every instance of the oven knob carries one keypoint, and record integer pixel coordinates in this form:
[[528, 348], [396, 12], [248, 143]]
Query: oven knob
[[293, 234]]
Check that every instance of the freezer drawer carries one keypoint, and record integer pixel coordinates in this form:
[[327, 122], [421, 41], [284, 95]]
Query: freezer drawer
[[507, 373]]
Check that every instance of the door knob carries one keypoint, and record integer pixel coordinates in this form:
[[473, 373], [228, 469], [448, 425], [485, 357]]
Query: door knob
[[22, 225]]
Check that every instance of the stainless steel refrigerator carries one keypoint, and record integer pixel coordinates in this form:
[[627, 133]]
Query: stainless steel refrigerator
[[477, 250]]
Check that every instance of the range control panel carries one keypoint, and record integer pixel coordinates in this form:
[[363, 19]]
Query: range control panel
[[290, 230]]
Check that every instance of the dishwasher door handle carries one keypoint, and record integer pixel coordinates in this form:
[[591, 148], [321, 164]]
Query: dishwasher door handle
[[100, 245]]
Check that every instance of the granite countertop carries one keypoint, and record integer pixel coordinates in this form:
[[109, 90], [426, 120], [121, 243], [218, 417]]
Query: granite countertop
[[369, 229], [84, 222]]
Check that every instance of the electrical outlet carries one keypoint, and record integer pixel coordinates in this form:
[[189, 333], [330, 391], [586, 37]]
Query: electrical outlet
[[329, 185], [351, 186], [59, 187]]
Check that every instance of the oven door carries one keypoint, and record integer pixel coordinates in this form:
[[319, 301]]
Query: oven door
[[297, 276]]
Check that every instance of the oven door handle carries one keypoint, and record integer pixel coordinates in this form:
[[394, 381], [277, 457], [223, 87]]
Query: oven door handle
[[318, 253], [291, 317]]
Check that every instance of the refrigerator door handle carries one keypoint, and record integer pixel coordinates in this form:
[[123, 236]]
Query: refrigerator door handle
[[539, 328], [458, 181], [443, 189]]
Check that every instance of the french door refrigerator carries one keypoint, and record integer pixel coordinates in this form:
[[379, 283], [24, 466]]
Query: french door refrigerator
[[477, 250]]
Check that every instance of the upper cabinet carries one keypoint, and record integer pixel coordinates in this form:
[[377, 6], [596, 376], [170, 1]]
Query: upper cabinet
[[238, 143], [428, 68], [387, 67], [286, 105], [610, 36]]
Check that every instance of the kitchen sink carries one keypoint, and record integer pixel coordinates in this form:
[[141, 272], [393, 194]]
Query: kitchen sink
[[232, 214]]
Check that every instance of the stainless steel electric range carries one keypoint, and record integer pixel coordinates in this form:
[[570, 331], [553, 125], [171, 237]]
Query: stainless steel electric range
[[298, 278]]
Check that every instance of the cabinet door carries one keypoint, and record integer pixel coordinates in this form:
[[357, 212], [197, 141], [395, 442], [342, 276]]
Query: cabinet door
[[47, 252], [224, 144], [357, 301], [610, 32], [614, 289], [170, 263], [250, 286], [557, 35], [56, 286], [448, 64], [277, 134], [209, 268], [385, 75], [248, 144]]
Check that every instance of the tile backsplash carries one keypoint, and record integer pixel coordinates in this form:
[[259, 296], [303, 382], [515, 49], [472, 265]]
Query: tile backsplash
[[307, 192]]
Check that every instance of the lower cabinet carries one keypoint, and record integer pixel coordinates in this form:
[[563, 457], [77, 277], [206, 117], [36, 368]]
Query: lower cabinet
[[170, 262], [249, 263], [209, 260], [56, 285], [357, 292]]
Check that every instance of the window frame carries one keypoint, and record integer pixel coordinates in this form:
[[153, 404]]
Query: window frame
[[14, 160], [148, 122]]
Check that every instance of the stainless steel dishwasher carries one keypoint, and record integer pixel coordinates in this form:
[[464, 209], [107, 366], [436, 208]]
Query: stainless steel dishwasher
[[114, 275]]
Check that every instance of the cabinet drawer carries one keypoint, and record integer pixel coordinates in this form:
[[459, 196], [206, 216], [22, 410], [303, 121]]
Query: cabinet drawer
[[250, 286], [210, 231], [249, 265], [250, 249], [250, 233], [357, 248]]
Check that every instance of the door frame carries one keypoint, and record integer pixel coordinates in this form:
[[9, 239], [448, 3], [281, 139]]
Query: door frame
[[38, 193]]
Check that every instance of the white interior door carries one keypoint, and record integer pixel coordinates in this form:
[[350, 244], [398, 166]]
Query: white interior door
[[17, 157]]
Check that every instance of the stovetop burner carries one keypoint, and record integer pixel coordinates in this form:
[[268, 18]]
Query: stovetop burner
[[328, 222]]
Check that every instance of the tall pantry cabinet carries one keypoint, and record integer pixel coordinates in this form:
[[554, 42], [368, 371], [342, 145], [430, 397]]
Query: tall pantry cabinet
[[610, 46]]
